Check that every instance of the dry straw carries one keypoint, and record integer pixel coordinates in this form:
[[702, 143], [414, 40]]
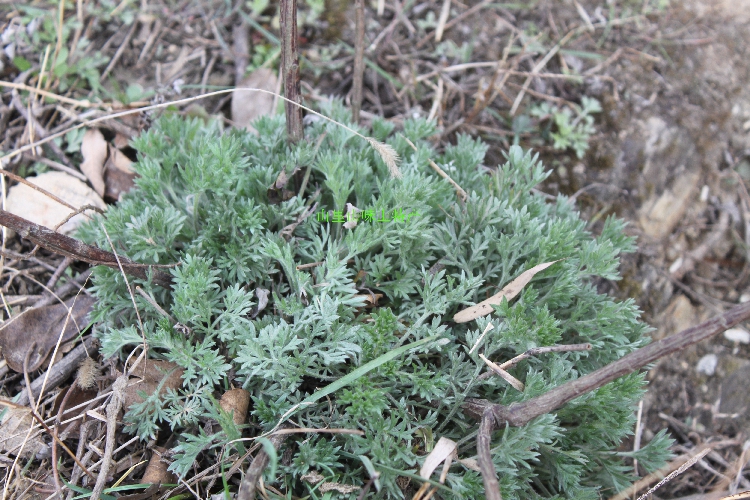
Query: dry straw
[[386, 152]]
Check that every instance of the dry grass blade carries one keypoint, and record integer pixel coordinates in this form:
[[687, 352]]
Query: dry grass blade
[[386, 152], [676, 473], [745, 495], [461, 193]]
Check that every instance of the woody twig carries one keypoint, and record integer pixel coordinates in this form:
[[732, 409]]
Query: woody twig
[[77, 250]]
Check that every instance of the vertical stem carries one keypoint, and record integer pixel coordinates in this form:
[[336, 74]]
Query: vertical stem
[[484, 457], [290, 67], [359, 59]]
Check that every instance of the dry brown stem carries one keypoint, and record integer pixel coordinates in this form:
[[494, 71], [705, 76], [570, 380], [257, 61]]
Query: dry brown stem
[[255, 471], [77, 250], [290, 67], [359, 59], [493, 416]]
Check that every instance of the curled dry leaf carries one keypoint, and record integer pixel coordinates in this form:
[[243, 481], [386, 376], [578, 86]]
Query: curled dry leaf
[[94, 149], [371, 299], [32, 205], [37, 330], [249, 105], [351, 220], [444, 450], [121, 140], [510, 291], [119, 177], [236, 402], [147, 376], [262, 295], [277, 191], [120, 160], [157, 469]]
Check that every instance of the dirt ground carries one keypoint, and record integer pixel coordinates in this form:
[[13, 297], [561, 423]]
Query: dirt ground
[[671, 153]]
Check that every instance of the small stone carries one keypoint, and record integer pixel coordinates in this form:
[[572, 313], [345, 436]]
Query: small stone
[[737, 335], [707, 364], [705, 191]]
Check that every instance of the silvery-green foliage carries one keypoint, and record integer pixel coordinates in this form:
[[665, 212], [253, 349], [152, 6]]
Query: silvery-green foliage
[[204, 199]]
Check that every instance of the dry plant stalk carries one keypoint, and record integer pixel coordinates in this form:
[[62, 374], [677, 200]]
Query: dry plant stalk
[[359, 58], [290, 68], [386, 152]]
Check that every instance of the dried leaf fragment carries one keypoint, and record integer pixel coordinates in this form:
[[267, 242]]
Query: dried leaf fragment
[[508, 292], [94, 149], [37, 207], [36, 331], [444, 450], [157, 470], [236, 402], [13, 431], [147, 376], [249, 105], [120, 160]]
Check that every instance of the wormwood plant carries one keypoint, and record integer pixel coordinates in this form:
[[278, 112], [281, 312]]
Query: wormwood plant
[[213, 200]]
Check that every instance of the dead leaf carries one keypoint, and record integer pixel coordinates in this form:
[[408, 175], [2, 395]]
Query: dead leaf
[[248, 105], [13, 431], [371, 299], [116, 177], [157, 469], [470, 463], [262, 295], [121, 141], [276, 192], [120, 161], [32, 205], [510, 291], [236, 401], [37, 330], [94, 149], [147, 376], [444, 450]]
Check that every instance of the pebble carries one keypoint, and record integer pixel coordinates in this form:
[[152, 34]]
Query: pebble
[[737, 335], [707, 364]]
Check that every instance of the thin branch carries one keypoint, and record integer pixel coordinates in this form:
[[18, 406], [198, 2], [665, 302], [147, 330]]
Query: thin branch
[[75, 249], [519, 414], [113, 408], [535, 351], [255, 471], [359, 59], [484, 457]]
